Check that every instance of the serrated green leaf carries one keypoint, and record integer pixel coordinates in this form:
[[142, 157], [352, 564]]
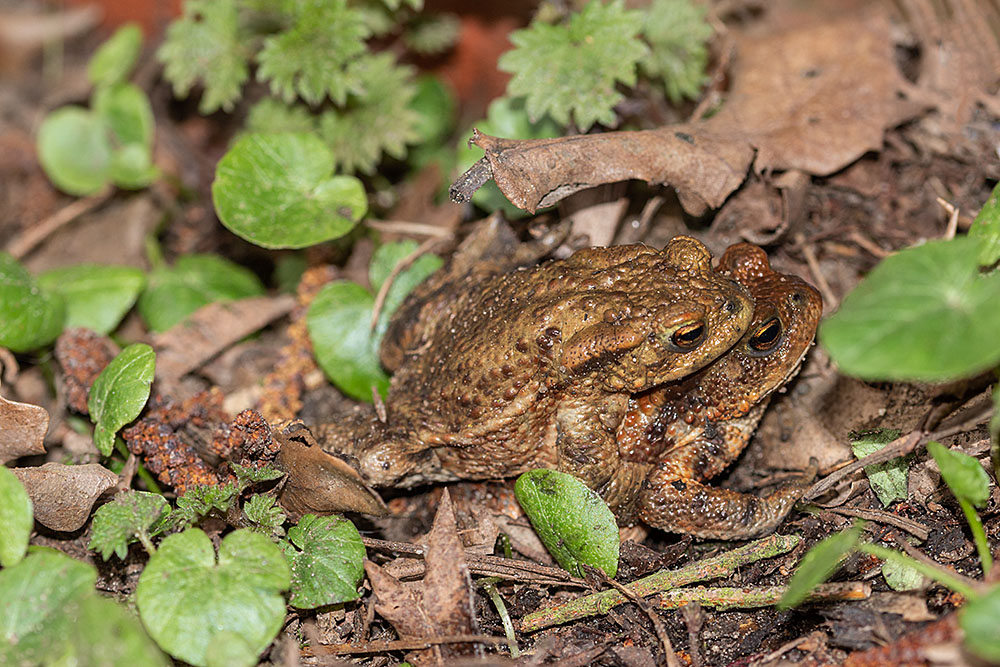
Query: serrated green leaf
[[120, 392], [962, 473], [978, 620], [925, 313], [889, 479], [75, 150], [376, 120], [247, 475], [96, 296], [16, 519], [186, 598], [271, 115], [986, 227], [172, 294], [901, 577], [265, 513], [310, 58], [327, 563], [127, 111], [279, 191], [818, 564], [115, 58], [206, 46], [120, 522], [571, 71], [573, 522], [431, 34], [201, 499], [30, 317], [678, 36]]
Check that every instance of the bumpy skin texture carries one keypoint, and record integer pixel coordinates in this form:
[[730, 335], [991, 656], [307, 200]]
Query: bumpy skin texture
[[535, 367], [692, 429]]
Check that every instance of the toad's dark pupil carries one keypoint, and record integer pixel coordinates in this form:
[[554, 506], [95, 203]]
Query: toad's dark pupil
[[766, 336], [688, 336]]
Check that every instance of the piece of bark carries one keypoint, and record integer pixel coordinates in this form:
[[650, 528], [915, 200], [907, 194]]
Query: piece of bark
[[63, 495]]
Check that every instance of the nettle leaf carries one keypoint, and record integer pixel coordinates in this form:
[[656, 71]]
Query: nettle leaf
[[310, 58], [120, 522], [434, 104], [264, 511], [889, 479], [962, 473], [75, 151], [986, 227], [978, 619], [174, 293], [16, 518], [279, 191], [326, 561], [120, 392], [206, 46], [30, 316], [433, 33], [378, 119], [271, 115], [678, 35], [97, 297], [925, 313], [339, 321], [201, 499], [571, 71], [818, 564], [114, 60], [186, 598], [573, 522]]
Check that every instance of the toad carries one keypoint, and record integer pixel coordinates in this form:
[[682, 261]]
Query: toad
[[534, 367], [694, 428]]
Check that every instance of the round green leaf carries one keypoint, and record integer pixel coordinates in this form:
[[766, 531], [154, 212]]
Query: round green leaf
[[435, 106], [92, 630], [96, 296], [187, 600], [194, 281], [126, 110], [75, 150], [30, 317], [979, 623], [339, 323], [116, 57], [986, 227], [327, 565], [573, 522], [120, 392], [277, 190], [228, 649], [818, 564], [962, 473], [384, 260], [16, 518], [925, 313]]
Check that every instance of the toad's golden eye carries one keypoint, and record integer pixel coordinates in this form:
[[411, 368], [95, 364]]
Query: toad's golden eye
[[767, 337], [688, 336]]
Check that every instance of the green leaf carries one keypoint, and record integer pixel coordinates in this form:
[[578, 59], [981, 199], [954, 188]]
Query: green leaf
[[126, 110], [206, 46], [186, 598], [114, 60], [925, 313], [431, 34], [376, 120], [573, 522], [435, 105], [962, 473], [265, 513], [16, 519], [228, 649], [248, 475], [678, 35], [279, 191], [195, 280], [75, 150], [986, 227], [327, 563], [384, 260], [818, 564], [120, 392], [30, 317], [93, 630], [571, 71], [889, 479], [978, 619], [120, 522], [273, 116], [96, 296], [201, 499], [310, 58], [901, 577]]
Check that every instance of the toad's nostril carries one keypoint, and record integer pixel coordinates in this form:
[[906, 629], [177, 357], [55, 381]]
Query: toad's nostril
[[733, 307]]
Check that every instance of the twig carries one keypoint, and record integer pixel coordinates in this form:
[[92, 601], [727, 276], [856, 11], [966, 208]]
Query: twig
[[694, 619], [914, 528], [658, 627], [952, 211], [404, 644], [402, 265], [901, 446], [746, 598], [918, 555], [38, 232], [830, 300], [710, 568], [406, 227]]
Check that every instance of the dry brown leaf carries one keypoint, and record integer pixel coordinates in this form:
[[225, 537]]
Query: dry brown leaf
[[64, 495], [22, 429]]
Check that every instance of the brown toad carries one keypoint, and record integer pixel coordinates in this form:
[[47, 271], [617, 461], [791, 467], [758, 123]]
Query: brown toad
[[534, 367], [694, 428]]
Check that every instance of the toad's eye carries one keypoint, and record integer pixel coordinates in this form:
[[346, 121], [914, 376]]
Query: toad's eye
[[688, 336], [766, 337]]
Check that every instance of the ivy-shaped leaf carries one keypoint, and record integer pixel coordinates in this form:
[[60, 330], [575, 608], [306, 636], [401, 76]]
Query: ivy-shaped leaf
[[114, 60], [96, 296], [74, 150], [326, 561], [30, 317], [120, 392]]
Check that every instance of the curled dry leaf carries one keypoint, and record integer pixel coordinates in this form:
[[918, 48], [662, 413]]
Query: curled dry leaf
[[22, 429], [64, 495]]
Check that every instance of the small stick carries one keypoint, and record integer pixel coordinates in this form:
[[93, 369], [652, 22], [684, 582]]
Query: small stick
[[658, 627], [402, 265], [901, 446], [404, 644], [38, 232], [694, 619], [918, 530], [746, 598], [407, 227], [830, 300], [710, 568]]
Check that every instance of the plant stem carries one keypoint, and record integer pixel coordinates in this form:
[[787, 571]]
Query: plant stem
[[938, 574], [146, 542], [490, 586], [710, 568], [744, 598], [978, 534]]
